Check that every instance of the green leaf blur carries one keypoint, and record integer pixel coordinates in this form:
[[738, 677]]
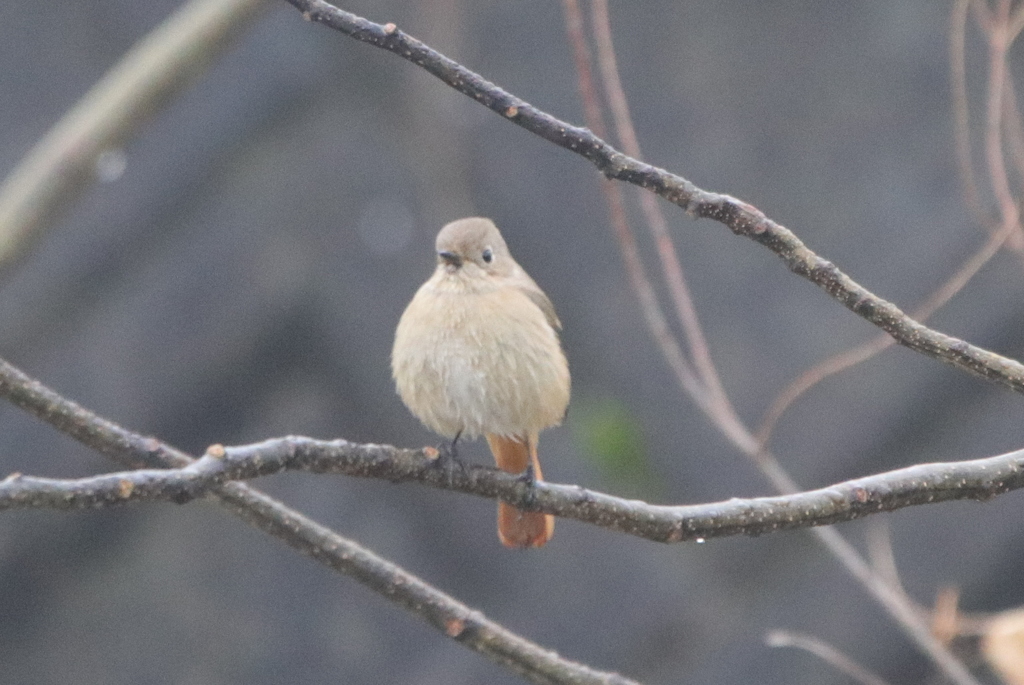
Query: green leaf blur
[[610, 435]]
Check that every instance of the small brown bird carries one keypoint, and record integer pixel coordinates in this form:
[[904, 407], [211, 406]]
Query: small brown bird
[[477, 353]]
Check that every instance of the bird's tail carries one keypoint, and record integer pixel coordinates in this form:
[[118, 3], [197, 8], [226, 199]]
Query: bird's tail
[[519, 528]]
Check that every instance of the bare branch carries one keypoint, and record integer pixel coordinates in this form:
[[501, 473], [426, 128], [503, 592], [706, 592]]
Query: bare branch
[[672, 270], [63, 162], [1016, 24], [740, 217], [713, 398], [653, 313], [1000, 95], [825, 652], [920, 484], [880, 551], [445, 613], [961, 111], [860, 353], [1013, 125], [999, 39], [896, 605]]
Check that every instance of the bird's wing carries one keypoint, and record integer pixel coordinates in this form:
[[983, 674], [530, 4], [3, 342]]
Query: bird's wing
[[538, 297]]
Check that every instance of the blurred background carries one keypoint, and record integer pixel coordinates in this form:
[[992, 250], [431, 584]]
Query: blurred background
[[241, 276]]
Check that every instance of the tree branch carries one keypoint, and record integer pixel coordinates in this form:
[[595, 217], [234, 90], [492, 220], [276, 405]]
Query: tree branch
[[740, 217], [920, 484], [451, 617], [826, 652], [63, 162]]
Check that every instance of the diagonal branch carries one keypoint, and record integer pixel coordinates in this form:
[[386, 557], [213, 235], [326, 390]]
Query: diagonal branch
[[63, 162], [445, 613], [698, 378], [740, 217], [825, 652], [672, 270], [654, 315], [1002, 123], [868, 349]]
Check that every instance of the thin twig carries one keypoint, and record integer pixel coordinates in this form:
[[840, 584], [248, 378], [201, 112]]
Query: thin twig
[[860, 353], [1013, 126], [451, 617], [1000, 39], [63, 163], [896, 605], [698, 380], [961, 109], [576, 32], [880, 551], [1002, 116], [1016, 24], [826, 652], [654, 315], [672, 270], [982, 15]]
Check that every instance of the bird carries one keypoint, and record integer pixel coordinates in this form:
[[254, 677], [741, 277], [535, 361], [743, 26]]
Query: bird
[[478, 352]]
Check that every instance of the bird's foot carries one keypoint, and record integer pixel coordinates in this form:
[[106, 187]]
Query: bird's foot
[[528, 476], [448, 460]]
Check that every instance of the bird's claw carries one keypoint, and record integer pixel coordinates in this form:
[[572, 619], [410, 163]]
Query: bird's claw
[[528, 476], [448, 460]]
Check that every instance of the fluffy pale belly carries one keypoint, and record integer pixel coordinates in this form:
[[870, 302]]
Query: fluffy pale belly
[[496, 367]]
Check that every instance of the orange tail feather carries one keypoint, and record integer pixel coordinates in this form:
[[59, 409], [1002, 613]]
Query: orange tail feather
[[519, 528]]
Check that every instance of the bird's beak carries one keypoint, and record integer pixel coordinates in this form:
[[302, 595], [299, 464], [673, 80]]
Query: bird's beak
[[450, 258]]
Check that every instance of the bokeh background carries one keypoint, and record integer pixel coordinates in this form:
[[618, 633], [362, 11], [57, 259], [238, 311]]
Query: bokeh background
[[241, 279]]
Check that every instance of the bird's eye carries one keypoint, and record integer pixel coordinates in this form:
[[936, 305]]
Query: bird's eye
[[488, 255]]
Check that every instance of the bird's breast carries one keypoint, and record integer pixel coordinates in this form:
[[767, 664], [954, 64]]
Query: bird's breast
[[482, 362]]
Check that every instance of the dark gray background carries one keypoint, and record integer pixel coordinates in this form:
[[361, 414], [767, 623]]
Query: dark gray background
[[242, 280]]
